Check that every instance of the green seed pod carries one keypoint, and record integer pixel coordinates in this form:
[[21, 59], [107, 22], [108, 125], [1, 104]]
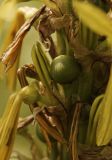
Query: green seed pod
[[29, 94], [65, 69]]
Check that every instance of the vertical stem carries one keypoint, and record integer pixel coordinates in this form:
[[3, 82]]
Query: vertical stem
[[70, 8], [54, 151], [65, 153], [61, 46]]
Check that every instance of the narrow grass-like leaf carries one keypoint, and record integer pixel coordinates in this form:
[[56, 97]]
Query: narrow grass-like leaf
[[8, 126], [94, 18]]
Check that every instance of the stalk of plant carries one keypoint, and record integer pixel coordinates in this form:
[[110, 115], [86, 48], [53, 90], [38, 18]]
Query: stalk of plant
[[70, 96]]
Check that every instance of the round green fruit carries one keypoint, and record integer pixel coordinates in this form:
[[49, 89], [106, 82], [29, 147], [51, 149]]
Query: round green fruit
[[64, 69]]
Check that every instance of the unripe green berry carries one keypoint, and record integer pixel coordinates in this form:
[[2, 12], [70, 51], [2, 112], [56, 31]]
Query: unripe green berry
[[65, 69]]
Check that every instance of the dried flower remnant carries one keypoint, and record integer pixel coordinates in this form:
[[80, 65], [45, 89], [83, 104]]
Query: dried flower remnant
[[9, 56]]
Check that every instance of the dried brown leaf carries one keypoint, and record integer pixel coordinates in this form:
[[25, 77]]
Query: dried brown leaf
[[23, 122], [10, 54], [74, 131], [51, 130], [17, 22]]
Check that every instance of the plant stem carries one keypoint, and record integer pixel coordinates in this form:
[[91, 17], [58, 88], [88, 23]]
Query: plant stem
[[54, 151], [65, 155]]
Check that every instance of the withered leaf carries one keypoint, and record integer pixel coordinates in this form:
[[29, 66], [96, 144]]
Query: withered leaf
[[10, 55], [49, 129], [53, 6], [74, 132], [49, 23], [23, 122], [13, 28]]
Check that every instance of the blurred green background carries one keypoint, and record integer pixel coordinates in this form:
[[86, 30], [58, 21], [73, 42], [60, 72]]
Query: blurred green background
[[21, 144]]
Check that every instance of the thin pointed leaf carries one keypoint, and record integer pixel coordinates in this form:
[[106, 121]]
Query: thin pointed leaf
[[9, 126], [94, 18]]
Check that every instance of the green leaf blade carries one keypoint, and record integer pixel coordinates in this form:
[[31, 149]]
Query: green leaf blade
[[94, 18]]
